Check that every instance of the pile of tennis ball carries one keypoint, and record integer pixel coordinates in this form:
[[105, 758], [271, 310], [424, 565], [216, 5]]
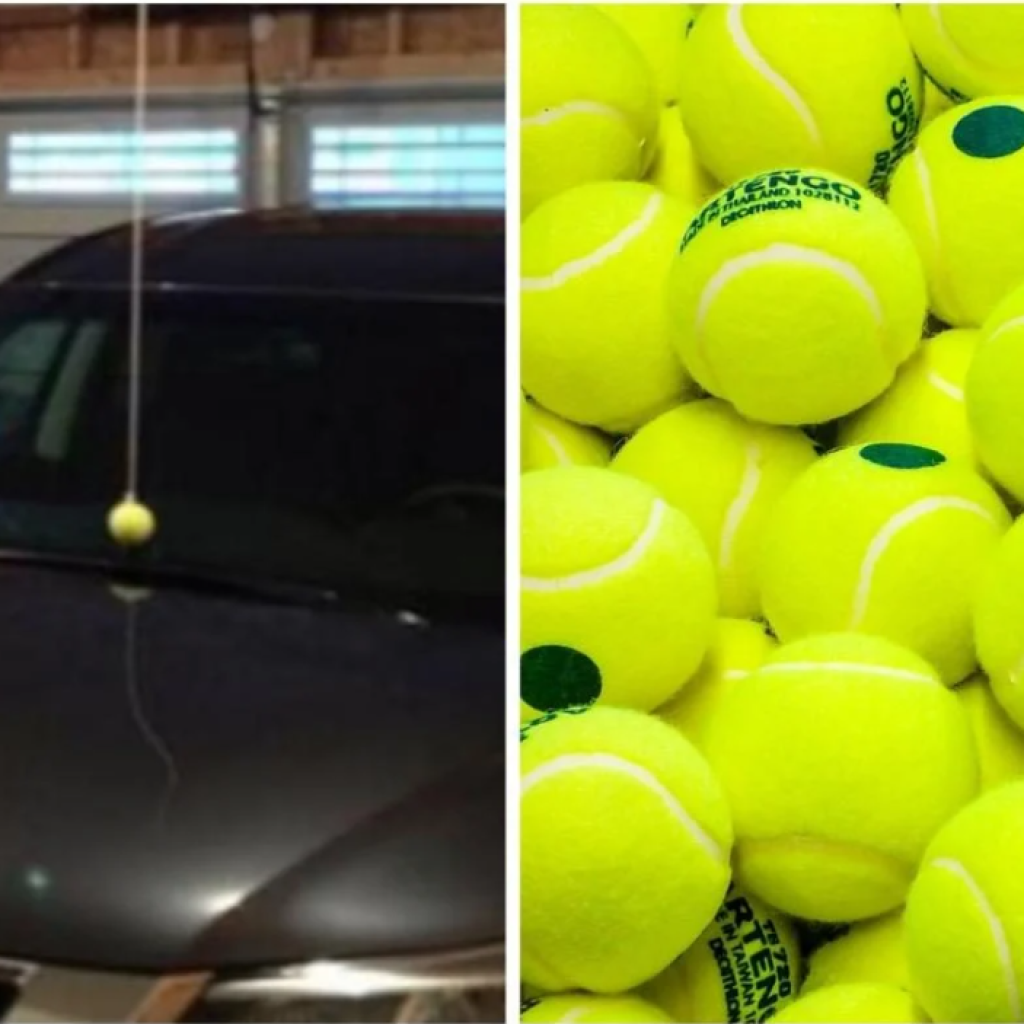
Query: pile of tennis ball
[[772, 650]]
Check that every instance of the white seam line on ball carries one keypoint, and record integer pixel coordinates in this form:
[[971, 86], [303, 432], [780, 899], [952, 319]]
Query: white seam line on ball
[[783, 251], [574, 1015], [928, 198], [612, 247], [738, 507], [946, 387], [736, 673], [999, 938], [738, 31], [556, 446], [1010, 325], [611, 763], [851, 667], [549, 115], [932, 216], [600, 573], [881, 541]]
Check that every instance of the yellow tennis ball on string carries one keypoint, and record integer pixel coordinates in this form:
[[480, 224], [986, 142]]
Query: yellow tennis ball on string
[[131, 523]]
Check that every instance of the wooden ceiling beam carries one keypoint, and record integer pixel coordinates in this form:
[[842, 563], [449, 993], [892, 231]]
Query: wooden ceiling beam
[[90, 47]]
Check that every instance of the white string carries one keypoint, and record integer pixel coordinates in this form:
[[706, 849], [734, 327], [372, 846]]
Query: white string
[[138, 219]]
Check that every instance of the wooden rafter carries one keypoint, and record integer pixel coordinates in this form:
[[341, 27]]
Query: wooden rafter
[[90, 47]]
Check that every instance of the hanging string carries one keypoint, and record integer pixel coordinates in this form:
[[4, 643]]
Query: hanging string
[[130, 522], [138, 223]]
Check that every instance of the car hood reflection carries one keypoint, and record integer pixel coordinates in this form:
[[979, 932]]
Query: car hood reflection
[[189, 781]]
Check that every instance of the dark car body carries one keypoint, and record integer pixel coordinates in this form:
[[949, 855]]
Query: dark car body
[[275, 734]]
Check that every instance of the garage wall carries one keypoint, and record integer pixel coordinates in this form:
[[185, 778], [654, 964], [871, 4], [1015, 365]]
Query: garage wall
[[354, 107], [32, 222], [331, 150], [397, 152]]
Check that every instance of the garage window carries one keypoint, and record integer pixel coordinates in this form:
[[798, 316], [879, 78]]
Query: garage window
[[409, 166], [110, 163]]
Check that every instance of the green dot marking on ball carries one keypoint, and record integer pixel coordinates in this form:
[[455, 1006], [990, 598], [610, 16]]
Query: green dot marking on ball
[[902, 456], [553, 677], [990, 132]]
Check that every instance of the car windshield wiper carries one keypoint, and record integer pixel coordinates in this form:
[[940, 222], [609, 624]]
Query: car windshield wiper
[[132, 570]]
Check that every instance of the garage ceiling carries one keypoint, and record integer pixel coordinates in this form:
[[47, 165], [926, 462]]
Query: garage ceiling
[[89, 48]]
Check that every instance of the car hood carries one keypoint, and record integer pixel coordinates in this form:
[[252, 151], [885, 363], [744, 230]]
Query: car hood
[[190, 782]]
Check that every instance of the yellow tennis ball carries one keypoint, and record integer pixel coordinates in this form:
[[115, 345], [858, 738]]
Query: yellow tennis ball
[[969, 50], [956, 195], [935, 102], [588, 105], [840, 757], [738, 647], [745, 967], [870, 951], [547, 440], [594, 332], [992, 394], [625, 842], [998, 741], [131, 524], [795, 295], [854, 1004], [964, 926], [584, 1009], [998, 612], [889, 539], [617, 595], [676, 169], [659, 31], [833, 86], [925, 404], [727, 474]]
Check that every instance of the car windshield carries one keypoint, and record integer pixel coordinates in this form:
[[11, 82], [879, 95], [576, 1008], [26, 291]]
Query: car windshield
[[352, 446]]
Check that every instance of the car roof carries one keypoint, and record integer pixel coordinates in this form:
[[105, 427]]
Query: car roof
[[431, 254]]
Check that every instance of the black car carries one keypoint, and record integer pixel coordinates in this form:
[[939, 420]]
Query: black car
[[254, 769]]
